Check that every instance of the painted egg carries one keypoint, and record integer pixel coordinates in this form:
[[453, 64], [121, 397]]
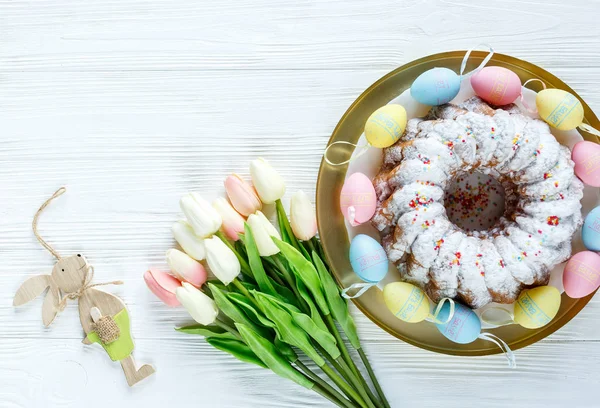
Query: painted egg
[[463, 328], [537, 307], [496, 85], [385, 126], [559, 109], [591, 230], [436, 86], [582, 274], [357, 199], [407, 302], [368, 259], [586, 156]]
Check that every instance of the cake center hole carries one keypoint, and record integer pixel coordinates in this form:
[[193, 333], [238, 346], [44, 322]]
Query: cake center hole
[[474, 201]]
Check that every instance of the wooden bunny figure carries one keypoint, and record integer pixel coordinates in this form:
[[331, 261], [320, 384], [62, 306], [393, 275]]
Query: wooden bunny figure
[[103, 316]]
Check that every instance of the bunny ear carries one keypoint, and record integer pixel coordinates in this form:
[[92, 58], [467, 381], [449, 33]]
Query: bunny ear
[[31, 288], [50, 306]]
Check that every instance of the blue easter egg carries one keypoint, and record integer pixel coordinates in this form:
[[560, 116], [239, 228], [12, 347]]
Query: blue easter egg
[[591, 230], [463, 328], [368, 259], [436, 86]]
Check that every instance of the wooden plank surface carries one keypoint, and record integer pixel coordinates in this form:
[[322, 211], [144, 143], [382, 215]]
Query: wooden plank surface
[[131, 103]]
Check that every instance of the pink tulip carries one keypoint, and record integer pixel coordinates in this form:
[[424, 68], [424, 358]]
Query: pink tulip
[[242, 195], [163, 286], [186, 268], [233, 223]]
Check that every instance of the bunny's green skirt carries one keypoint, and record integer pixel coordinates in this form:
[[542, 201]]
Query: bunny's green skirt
[[123, 346]]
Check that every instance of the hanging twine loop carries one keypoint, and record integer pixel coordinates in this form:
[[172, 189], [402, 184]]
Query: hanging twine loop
[[433, 318], [88, 271], [360, 151], [529, 109], [56, 194], [487, 59]]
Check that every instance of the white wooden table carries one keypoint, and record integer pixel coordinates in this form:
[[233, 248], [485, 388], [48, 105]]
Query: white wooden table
[[131, 103]]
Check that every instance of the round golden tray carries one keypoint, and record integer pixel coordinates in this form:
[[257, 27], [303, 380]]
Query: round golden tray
[[331, 222]]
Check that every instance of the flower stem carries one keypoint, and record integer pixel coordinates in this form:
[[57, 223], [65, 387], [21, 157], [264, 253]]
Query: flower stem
[[365, 361], [349, 391], [228, 328], [245, 292], [319, 390], [332, 391], [311, 246], [244, 265], [357, 383], [346, 355]]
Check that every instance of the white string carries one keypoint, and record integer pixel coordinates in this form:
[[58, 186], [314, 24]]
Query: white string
[[522, 98], [509, 320], [508, 353], [589, 129], [363, 150], [487, 59], [362, 286], [352, 216], [433, 318]]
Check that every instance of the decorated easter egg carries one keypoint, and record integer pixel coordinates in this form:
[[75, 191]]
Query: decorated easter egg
[[463, 328], [559, 109], [586, 156], [582, 274], [537, 307], [385, 126], [496, 85], [357, 199], [436, 86], [591, 230], [368, 259], [407, 302]]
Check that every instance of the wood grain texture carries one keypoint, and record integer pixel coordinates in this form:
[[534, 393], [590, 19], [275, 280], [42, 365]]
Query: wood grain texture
[[131, 103]]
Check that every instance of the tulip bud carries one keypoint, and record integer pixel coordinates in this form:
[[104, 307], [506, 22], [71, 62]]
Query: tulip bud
[[302, 216], [233, 223], [242, 195], [204, 219], [188, 240], [185, 268], [163, 286], [202, 308], [222, 261], [268, 183], [263, 230]]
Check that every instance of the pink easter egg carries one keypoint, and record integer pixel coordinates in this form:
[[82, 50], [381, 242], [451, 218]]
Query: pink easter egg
[[357, 199], [496, 85], [586, 156], [582, 274]]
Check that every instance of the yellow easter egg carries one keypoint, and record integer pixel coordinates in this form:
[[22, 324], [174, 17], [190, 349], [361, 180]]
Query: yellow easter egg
[[385, 126], [559, 109], [407, 302], [537, 307]]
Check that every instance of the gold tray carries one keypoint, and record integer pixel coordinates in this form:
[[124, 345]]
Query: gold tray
[[331, 222]]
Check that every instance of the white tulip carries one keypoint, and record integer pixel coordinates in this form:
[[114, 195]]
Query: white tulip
[[268, 183], [263, 230], [222, 261], [203, 218], [188, 240], [202, 308], [302, 216], [185, 268]]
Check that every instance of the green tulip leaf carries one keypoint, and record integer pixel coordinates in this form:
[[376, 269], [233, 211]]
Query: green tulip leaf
[[267, 352], [236, 348], [287, 330], [234, 312], [314, 311], [337, 304], [254, 259], [245, 304], [206, 331], [305, 271]]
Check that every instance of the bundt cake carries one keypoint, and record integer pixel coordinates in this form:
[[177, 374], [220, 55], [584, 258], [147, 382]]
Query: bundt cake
[[541, 194]]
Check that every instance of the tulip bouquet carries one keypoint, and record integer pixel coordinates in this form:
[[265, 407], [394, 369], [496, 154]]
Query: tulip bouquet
[[273, 295]]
